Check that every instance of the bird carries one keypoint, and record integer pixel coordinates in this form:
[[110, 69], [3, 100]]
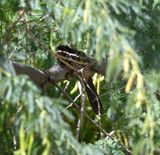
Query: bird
[[78, 62]]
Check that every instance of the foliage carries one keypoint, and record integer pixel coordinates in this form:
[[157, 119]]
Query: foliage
[[127, 31]]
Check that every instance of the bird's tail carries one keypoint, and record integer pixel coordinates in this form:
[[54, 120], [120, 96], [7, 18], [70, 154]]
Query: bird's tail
[[93, 96]]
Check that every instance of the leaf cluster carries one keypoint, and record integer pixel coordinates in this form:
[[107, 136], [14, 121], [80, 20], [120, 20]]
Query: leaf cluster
[[32, 122]]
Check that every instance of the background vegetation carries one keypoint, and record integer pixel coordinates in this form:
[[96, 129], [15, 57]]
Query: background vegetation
[[128, 31]]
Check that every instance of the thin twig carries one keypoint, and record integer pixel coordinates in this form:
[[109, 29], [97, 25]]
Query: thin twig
[[71, 104], [9, 57], [82, 90], [75, 105], [44, 17], [8, 31], [65, 88], [35, 40]]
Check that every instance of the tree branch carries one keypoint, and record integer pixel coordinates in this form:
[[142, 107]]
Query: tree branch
[[37, 76], [52, 75]]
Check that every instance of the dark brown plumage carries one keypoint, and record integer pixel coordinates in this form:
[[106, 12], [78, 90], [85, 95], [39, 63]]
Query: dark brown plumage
[[78, 62]]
